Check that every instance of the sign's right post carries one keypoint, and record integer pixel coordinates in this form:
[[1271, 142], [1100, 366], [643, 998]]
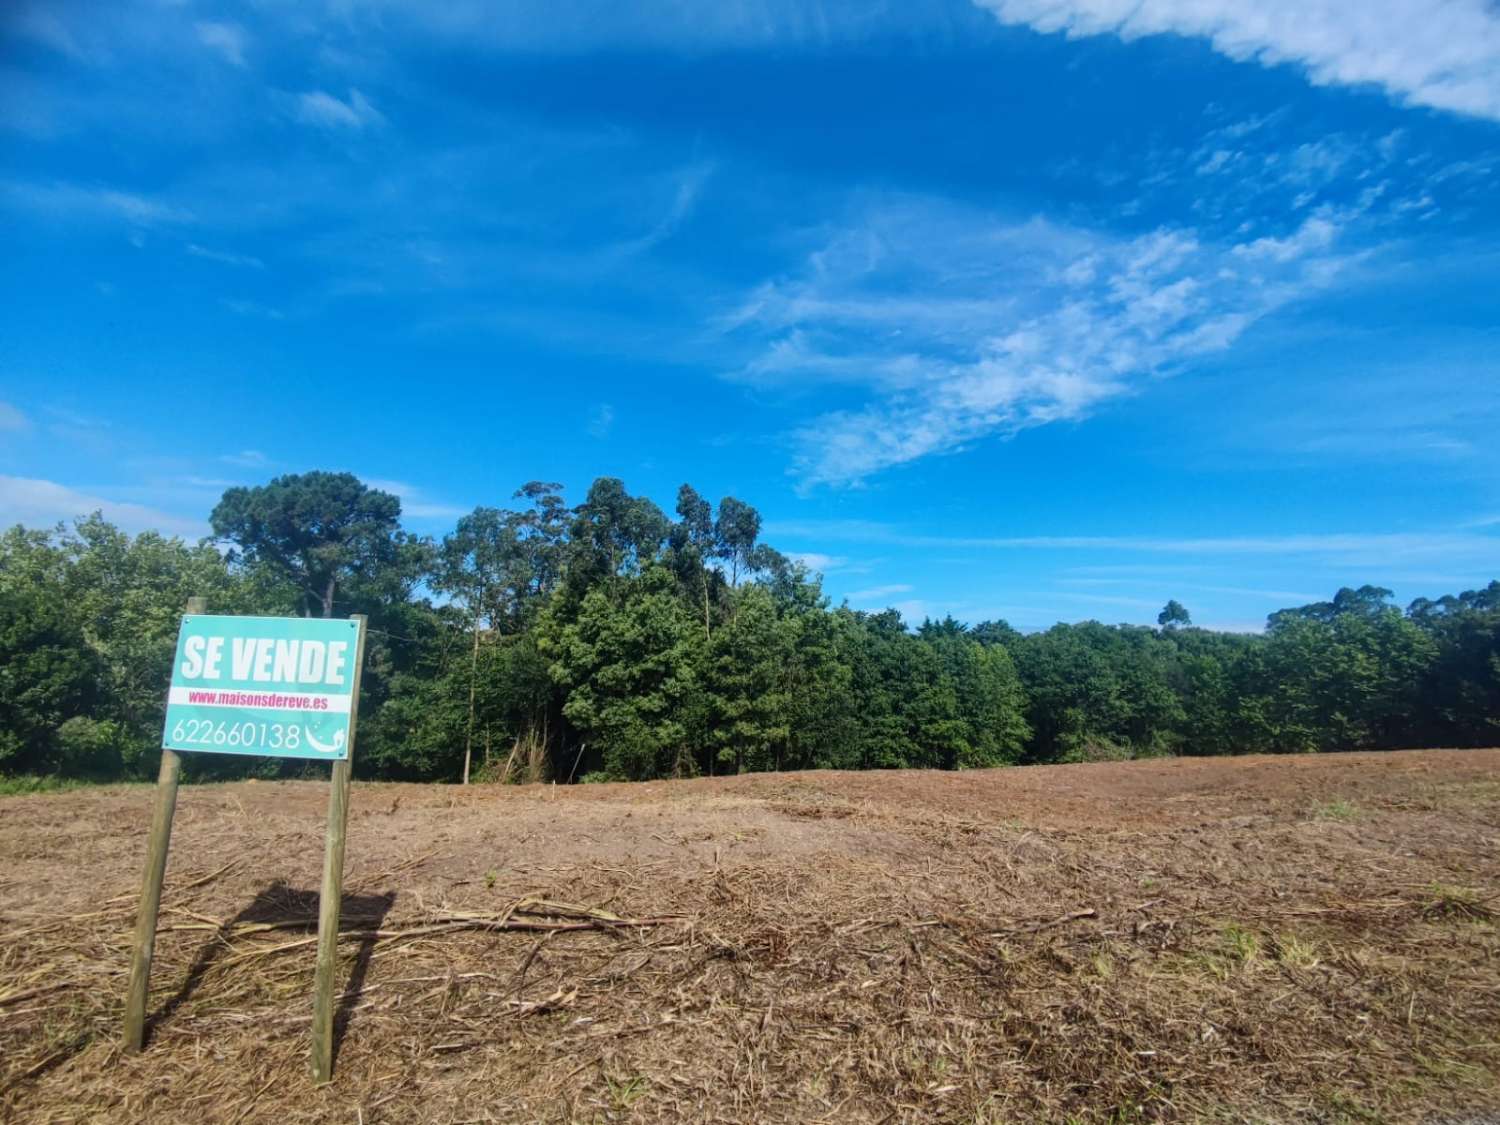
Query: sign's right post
[[333, 887]]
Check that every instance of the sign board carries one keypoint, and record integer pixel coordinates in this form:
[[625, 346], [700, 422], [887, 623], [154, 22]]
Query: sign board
[[282, 687]]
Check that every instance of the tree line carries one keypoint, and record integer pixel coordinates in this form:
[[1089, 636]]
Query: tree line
[[608, 640]]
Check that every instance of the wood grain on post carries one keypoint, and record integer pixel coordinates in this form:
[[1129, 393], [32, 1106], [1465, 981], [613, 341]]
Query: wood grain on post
[[156, 869], [333, 885]]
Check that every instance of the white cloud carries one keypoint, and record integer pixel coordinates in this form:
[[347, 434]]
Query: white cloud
[[1113, 599], [65, 200], [1280, 597], [38, 23], [79, 431], [1385, 549], [1315, 235], [962, 326], [583, 25], [877, 593], [12, 419], [913, 611], [210, 482], [228, 39], [685, 194], [414, 502], [317, 107], [601, 420], [42, 503], [251, 308], [1439, 53], [817, 562], [224, 257], [246, 459]]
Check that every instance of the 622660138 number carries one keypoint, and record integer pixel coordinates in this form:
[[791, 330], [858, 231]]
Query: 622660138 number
[[206, 732]]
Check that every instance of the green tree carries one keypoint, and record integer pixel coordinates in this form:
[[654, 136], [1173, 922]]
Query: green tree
[[1173, 615], [745, 689], [48, 672], [320, 532], [693, 543], [628, 664], [613, 535], [1460, 688], [735, 532], [499, 566]]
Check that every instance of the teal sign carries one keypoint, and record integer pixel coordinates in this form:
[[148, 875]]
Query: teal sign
[[275, 686]]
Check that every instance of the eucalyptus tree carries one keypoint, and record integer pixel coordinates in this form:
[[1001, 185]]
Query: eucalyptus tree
[[736, 530], [498, 566]]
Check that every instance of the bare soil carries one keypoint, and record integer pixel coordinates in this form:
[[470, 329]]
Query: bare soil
[[1248, 939]]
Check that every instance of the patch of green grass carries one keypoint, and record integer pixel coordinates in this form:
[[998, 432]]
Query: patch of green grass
[[1346, 1110], [1241, 945], [1454, 1071], [1337, 809], [490, 878], [1295, 952], [1238, 950], [627, 1091], [27, 783], [1461, 903]]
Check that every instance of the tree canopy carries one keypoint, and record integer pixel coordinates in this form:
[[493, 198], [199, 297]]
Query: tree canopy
[[608, 640], [315, 531]]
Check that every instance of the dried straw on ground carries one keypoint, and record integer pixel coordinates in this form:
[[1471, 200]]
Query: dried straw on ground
[[1251, 940]]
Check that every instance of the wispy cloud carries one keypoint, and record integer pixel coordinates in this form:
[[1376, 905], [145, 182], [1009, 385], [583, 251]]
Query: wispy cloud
[[79, 431], [817, 562], [1384, 548], [684, 199], [1443, 53], [1113, 599], [876, 593], [320, 108], [12, 419], [227, 39], [66, 200], [210, 482], [966, 326], [414, 502], [246, 459], [601, 420], [251, 308], [224, 257], [40, 503], [41, 24], [584, 25], [1281, 597]]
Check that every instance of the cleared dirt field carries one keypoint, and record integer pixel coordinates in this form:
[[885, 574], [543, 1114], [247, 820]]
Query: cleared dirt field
[[1262, 939]]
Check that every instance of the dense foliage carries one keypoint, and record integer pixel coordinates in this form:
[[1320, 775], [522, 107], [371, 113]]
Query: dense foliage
[[609, 640]]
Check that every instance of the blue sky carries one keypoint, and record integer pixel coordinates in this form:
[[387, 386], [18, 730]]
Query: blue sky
[[1034, 309]]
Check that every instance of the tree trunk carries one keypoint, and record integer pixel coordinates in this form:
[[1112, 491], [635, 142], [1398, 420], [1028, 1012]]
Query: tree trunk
[[473, 677], [328, 597]]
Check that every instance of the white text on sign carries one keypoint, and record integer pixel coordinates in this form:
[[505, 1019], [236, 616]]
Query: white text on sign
[[264, 660]]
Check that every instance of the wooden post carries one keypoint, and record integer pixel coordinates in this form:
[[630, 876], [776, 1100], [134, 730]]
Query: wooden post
[[333, 887], [156, 869]]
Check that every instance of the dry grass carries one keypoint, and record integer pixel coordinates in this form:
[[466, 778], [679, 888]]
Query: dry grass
[[788, 948]]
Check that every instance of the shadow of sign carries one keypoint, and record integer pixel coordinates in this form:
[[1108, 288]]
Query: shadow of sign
[[290, 914]]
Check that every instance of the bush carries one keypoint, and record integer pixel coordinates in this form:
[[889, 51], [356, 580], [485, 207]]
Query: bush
[[91, 747], [1093, 749]]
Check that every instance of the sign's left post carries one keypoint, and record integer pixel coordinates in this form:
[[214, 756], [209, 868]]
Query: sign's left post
[[156, 869]]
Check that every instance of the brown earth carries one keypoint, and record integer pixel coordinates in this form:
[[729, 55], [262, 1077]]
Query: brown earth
[[1247, 939]]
